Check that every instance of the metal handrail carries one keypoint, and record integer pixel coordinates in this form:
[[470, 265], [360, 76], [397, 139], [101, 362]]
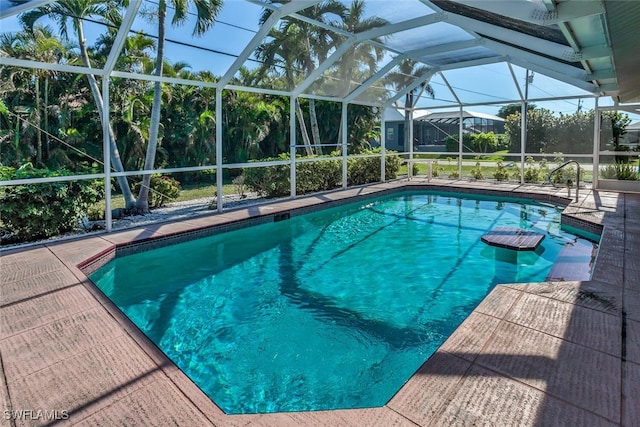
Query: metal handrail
[[562, 166]]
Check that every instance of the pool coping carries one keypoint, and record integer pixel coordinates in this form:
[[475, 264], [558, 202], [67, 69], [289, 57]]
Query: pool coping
[[401, 409], [93, 263]]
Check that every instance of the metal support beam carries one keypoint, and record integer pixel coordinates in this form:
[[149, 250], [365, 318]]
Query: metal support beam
[[219, 177], [460, 141], [608, 89], [472, 63], [162, 79], [401, 26], [596, 145], [121, 37], [453, 92], [363, 37], [564, 73], [383, 146], [514, 53], [524, 124], [25, 63], [608, 76], [445, 48], [345, 139], [106, 155], [418, 81], [315, 74], [567, 11], [292, 144], [23, 7], [590, 53], [528, 42], [515, 81], [374, 78]]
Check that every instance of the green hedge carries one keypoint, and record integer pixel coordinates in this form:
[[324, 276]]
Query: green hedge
[[363, 170], [478, 142], [37, 211], [321, 175]]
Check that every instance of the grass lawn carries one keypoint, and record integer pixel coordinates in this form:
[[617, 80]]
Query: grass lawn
[[445, 170], [452, 157], [188, 192]]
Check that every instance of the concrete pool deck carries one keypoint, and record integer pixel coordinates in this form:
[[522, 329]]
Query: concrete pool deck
[[559, 353]]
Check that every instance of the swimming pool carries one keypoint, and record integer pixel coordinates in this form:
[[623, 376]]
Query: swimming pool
[[333, 309]]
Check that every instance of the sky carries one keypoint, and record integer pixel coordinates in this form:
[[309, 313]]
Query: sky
[[238, 22]]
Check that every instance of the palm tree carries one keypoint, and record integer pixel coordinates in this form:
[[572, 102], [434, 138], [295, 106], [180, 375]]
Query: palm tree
[[77, 11], [295, 49], [207, 11], [15, 87], [362, 59], [49, 49], [39, 44], [279, 56], [130, 99], [408, 71]]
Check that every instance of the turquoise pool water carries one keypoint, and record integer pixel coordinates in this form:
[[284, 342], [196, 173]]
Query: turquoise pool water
[[333, 309]]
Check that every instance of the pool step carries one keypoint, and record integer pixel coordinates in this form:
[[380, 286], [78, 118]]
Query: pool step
[[575, 262]]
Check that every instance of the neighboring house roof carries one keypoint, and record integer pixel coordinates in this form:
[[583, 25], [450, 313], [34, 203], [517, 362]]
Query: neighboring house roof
[[397, 115], [393, 115], [444, 116], [634, 126]]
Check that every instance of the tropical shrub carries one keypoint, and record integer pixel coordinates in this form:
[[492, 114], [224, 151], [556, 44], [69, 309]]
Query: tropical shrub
[[501, 173], [269, 181], [37, 211], [273, 181], [533, 173], [478, 142], [238, 181], [476, 172], [484, 142], [436, 169], [317, 176], [622, 171], [363, 170], [391, 164], [621, 159], [321, 175], [163, 189]]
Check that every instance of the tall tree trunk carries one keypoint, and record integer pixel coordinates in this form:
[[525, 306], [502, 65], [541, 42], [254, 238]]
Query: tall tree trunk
[[116, 162], [16, 136], [303, 128], [39, 122], [46, 117], [143, 196], [315, 129]]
